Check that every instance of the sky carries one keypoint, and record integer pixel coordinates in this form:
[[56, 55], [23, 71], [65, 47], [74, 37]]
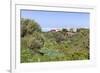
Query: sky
[[49, 19]]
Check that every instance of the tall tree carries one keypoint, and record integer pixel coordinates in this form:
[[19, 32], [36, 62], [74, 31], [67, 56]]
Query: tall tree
[[29, 26]]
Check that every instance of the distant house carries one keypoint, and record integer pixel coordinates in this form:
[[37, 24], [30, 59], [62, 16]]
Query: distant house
[[69, 30], [72, 29], [55, 30]]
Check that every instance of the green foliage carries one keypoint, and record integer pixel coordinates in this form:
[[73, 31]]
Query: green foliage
[[28, 27], [51, 52], [59, 37], [25, 55], [36, 41], [64, 45], [64, 30]]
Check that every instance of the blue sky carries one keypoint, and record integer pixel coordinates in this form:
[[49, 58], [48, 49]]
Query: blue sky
[[48, 20]]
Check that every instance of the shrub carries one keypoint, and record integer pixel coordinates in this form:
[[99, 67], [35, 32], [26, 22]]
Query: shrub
[[59, 37], [35, 42], [26, 55]]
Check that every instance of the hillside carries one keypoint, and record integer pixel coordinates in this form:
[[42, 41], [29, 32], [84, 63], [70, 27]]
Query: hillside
[[63, 45]]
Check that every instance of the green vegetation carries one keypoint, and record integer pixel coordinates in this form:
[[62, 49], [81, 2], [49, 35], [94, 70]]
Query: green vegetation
[[63, 45]]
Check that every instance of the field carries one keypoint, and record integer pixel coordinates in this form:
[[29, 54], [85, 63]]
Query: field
[[54, 45]]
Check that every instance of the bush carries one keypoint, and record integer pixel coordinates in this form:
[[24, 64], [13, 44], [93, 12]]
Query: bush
[[59, 37], [26, 55], [35, 42]]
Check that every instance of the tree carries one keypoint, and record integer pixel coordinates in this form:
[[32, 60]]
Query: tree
[[28, 27], [23, 27], [59, 37], [64, 30]]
